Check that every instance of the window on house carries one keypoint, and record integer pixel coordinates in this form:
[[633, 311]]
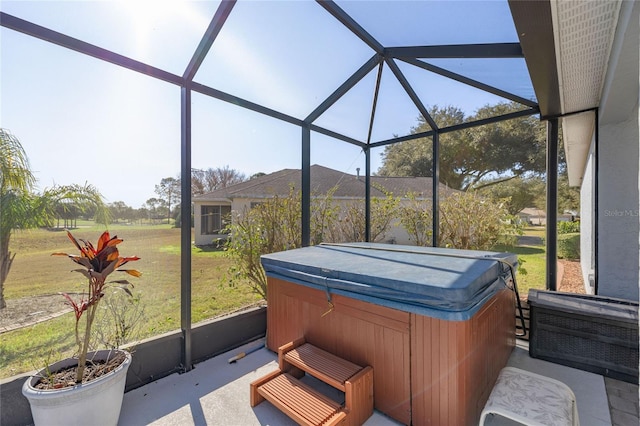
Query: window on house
[[215, 219]]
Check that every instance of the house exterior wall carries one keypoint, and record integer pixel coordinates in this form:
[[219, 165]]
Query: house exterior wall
[[396, 234], [587, 225], [201, 239], [197, 229], [618, 210], [617, 206]]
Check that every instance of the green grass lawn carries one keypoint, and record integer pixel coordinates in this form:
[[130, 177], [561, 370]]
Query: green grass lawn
[[35, 271], [533, 261], [535, 231]]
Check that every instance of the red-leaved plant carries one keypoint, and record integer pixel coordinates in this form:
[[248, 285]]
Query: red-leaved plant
[[98, 263]]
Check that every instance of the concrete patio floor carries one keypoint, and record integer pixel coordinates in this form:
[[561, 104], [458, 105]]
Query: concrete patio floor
[[216, 392]]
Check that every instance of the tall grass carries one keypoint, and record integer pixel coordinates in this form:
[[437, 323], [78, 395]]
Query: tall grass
[[36, 272]]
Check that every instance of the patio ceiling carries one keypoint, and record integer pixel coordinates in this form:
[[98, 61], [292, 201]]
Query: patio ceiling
[[570, 81]]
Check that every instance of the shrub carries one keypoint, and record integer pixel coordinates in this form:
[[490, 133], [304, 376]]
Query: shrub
[[416, 219], [350, 223], [568, 227], [276, 225], [268, 227], [469, 221], [569, 246]]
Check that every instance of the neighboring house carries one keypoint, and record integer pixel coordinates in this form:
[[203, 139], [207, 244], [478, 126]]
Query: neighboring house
[[213, 210], [534, 216]]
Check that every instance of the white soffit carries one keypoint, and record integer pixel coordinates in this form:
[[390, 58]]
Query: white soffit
[[583, 33], [620, 92], [576, 130]]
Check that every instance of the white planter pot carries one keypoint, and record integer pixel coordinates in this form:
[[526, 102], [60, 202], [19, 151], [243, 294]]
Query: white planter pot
[[97, 402]]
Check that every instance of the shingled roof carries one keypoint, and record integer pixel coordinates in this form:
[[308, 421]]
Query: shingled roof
[[322, 180]]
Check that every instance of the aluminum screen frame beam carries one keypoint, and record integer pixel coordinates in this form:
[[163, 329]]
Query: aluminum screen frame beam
[[338, 136], [552, 205], [352, 25], [344, 88], [252, 106], [470, 82], [453, 51], [216, 24], [62, 40], [367, 194], [306, 185], [367, 157], [411, 137], [185, 229], [596, 199], [435, 196], [243, 103], [412, 94], [490, 120], [456, 127]]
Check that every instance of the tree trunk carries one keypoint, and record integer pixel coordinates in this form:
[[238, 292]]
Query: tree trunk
[[494, 182], [6, 259]]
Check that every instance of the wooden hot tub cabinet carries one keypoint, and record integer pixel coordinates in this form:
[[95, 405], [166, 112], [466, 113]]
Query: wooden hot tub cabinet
[[428, 371]]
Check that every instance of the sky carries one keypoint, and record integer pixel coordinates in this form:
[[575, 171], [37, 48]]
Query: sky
[[82, 120]]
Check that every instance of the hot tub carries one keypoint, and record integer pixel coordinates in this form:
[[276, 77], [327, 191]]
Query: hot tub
[[436, 325]]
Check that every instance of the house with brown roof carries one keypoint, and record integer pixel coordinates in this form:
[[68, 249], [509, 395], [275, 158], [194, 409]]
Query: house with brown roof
[[213, 210], [536, 216]]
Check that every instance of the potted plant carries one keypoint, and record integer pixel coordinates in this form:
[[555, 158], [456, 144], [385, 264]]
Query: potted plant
[[87, 389]]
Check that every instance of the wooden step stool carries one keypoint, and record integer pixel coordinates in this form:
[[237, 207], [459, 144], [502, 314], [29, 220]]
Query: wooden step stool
[[304, 404]]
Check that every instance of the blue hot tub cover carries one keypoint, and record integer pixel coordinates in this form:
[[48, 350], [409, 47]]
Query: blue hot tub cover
[[443, 283]]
